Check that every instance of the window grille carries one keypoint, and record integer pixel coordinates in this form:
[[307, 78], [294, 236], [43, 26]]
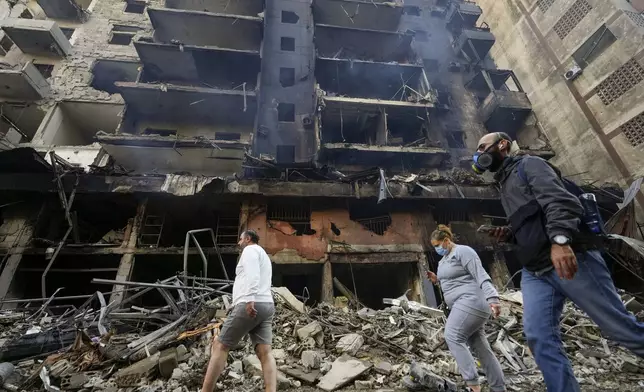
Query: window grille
[[571, 18]]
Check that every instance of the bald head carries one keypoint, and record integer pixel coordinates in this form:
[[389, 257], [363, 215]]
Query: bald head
[[488, 142]]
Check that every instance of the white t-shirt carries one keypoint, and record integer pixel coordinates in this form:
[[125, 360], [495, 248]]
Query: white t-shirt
[[253, 276]]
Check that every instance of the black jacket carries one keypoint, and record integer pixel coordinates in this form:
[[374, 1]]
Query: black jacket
[[538, 207]]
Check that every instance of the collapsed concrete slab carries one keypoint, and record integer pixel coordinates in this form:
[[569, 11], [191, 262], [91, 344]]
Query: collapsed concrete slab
[[344, 370]]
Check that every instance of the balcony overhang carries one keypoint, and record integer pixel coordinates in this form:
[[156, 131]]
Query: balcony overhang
[[355, 157], [373, 15], [474, 44], [206, 29], [39, 37], [224, 68], [363, 44], [23, 83], [463, 16], [236, 7], [167, 155], [335, 107], [191, 105], [62, 9], [367, 79], [505, 111]]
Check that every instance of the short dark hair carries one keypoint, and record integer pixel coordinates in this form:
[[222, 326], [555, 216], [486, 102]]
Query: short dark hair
[[252, 234]]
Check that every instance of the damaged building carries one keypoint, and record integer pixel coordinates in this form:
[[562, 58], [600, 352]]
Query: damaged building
[[139, 138]]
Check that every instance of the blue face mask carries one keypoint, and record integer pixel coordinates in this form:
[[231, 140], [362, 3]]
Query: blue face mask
[[440, 250]]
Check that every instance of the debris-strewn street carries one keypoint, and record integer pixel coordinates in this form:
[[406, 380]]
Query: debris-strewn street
[[97, 347]]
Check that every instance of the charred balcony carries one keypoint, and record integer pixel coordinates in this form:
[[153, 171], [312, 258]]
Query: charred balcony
[[206, 29], [237, 7], [358, 134], [169, 128], [504, 106], [372, 80], [195, 65], [473, 43], [38, 37], [362, 44], [371, 15], [462, 16], [65, 9]]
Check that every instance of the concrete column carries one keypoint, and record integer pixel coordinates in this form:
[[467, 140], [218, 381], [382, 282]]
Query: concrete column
[[327, 283], [499, 271], [21, 234], [127, 260], [244, 216]]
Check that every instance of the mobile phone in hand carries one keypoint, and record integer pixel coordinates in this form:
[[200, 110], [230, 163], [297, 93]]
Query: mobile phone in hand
[[487, 229]]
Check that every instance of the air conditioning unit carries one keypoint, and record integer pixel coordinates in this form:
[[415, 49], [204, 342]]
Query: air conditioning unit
[[573, 72]]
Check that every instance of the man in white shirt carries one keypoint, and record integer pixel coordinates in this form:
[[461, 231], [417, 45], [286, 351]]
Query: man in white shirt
[[252, 314]]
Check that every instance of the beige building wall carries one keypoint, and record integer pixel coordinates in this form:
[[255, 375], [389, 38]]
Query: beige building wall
[[599, 139]]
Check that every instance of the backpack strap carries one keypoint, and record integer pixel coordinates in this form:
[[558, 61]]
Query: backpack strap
[[521, 172]]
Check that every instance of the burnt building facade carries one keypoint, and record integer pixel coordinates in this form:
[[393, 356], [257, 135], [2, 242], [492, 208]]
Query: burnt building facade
[[141, 137]]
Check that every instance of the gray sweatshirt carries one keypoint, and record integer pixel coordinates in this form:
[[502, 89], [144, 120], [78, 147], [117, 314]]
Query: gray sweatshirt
[[464, 281]]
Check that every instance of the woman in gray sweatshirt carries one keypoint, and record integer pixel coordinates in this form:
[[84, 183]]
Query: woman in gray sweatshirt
[[471, 297]]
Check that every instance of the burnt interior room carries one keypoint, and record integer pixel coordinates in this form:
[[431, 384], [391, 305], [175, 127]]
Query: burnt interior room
[[365, 79], [72, 272], [373, 217], [158, 267], [359, 123], [303, 280], [350, 123], [206, 107], [204, 67], [99, 218], [361, 44], [295, 211], [373, 282], [167, 227], [407, 126], [19, 122]]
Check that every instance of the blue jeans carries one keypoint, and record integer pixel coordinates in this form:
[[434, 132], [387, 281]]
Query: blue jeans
[[592, 290]]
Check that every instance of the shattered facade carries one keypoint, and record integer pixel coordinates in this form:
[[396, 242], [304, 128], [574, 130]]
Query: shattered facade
[[582, 65], [138, 139], [340, 130]]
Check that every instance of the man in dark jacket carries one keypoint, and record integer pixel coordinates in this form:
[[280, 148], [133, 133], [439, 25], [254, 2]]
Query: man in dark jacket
[[559, 257]]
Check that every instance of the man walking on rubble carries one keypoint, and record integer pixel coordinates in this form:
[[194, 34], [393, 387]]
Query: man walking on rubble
[[560, 258], [252, 314]]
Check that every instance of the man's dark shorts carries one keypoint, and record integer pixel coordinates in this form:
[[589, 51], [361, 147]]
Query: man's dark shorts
[[239, 323]]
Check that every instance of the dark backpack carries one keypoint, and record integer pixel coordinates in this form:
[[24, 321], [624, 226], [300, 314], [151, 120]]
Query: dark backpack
[[570, 187]]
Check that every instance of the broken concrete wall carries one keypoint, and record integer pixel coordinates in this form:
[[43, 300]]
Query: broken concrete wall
[[529, 41], [333, 227], [16, 230]]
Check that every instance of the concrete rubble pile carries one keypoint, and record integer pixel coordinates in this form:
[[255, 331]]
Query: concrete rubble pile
[[99, 348]]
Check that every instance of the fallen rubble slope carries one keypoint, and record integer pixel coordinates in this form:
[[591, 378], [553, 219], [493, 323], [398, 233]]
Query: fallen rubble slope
[[321, 348]]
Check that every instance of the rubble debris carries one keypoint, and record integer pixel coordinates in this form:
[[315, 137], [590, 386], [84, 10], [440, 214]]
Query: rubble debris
[[383, 367], [311, 359], [311, 334], [344, 370], [325, 346], [350, 344]]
